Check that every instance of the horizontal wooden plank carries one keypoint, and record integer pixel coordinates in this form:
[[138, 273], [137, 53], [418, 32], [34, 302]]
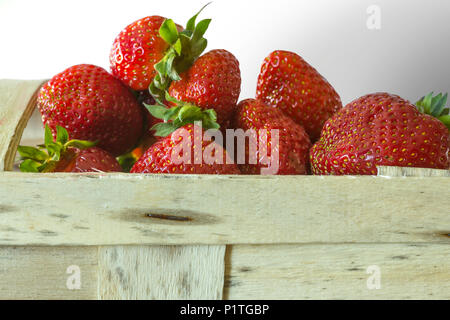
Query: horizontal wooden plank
[[48, 273], [115, 209], [294, 271], [154, 272], [406, 271]]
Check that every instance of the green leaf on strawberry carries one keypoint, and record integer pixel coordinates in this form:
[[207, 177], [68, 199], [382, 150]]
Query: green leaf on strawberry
[[164, 129], [436, 107], [27, 152], [44, 157], [80, 144], [190, 25], [29, 165], [169, 32], [185, 48], [180, 115], [126, 161]]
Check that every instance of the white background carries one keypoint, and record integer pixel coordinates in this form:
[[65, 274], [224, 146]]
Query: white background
[[409, 55]]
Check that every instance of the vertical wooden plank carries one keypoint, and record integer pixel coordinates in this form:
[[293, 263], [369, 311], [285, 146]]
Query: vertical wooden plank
[[17, 102], [161, 272]]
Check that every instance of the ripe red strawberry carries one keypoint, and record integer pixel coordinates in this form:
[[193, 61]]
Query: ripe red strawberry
[[288, 82], [165, 156], [90, 160], [151, 52], [63, 155], [382, 129], [92, 105], [136, 50], [213, 82], [127, 160], [292, 146]]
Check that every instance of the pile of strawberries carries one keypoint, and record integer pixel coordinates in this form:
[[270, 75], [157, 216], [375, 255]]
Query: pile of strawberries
[[161, 82]]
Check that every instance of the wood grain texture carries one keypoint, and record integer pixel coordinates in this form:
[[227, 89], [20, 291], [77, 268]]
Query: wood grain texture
[[17, 102], [304, 271], [220, 209], [161, 272], [337, 271], [385, 171], [41, 272], [340, 271]]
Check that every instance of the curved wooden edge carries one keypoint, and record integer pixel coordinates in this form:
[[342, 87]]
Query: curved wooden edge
[[17, 102]]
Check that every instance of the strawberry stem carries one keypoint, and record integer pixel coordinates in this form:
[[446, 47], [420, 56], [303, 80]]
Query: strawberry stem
[[181, 114], [185, 48]]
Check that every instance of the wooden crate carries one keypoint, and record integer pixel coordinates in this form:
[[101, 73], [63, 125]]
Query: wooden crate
[[217, 237]]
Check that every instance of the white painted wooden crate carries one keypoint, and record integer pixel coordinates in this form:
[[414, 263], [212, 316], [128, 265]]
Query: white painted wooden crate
[[217, 237]]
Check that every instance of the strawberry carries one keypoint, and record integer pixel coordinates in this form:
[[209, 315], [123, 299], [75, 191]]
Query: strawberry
[[128, 159], [288, 82], [293, 142], [64, 155], [136, 50], [207, 92], [152, 51], [92, 105], [213, 82], [383, 129], [165, 156]]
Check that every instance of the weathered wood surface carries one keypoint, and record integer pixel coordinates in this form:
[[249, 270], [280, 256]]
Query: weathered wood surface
[[301, 271], [412, 172], [161, 272], [98, 209], [17, 102], [407, 271], [47, 272]]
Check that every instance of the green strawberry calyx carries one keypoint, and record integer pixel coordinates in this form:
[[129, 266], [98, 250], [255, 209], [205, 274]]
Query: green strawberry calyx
[[44, 158], [180, 115], [126, 161], [436, 107], [185, 48]]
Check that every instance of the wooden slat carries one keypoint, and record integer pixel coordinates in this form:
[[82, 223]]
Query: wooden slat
[[411, 172], [17, 102], [161, 272], [96, 209], [305, 271], [41, 272], [408, 271]]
